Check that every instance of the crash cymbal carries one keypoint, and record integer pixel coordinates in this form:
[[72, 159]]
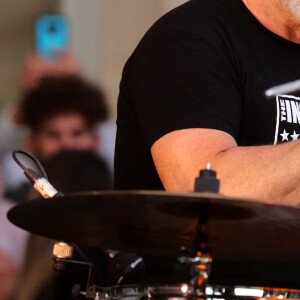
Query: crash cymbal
[[159, 223]]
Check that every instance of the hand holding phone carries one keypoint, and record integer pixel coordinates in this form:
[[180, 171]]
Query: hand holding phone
[[35, 67]]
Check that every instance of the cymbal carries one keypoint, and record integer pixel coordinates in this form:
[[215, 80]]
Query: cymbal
[[159, 223]]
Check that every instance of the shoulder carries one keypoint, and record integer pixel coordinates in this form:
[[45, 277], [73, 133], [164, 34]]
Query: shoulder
[[210, 20]]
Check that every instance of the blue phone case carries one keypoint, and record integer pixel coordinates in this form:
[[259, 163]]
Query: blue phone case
[[51, 33]]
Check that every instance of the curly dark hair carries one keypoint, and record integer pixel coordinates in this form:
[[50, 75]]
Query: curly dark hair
[[57, 95]]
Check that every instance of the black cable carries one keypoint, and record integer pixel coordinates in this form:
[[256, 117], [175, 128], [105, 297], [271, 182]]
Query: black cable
[[33, 158]]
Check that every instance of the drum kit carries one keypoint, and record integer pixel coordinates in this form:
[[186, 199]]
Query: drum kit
[[231, 248]]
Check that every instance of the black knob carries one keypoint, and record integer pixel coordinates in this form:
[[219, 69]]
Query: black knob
[[207, 181]]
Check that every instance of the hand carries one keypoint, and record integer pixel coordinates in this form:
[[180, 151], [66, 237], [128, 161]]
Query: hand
[[36, 67]]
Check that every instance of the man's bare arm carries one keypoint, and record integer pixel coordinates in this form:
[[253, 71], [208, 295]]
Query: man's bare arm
[[259, 172]]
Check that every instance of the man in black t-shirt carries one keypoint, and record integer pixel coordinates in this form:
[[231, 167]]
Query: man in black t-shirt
[[193, 92]]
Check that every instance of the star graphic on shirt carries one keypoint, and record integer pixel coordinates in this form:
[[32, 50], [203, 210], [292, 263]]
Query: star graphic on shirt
[[284, 135], [295, 136]]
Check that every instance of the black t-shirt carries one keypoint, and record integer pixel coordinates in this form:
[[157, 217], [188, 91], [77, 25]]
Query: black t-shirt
[[206, 64]]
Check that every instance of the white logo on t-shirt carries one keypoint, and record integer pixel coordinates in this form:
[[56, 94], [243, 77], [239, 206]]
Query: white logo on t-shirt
[[288, 119]]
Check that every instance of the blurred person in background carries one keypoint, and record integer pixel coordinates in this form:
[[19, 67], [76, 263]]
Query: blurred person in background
[[12, 239], [61, 112], [34, 70]]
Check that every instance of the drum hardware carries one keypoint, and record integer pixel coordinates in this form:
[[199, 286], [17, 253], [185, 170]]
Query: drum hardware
[[183, 292], [92, 292], [158, 223], [280, 294], [124, 267], [207, 181], [120, 266], [200, 263], [90, 289], [85, 269]]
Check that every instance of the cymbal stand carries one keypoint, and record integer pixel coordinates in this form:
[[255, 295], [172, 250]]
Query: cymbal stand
[[200, 263], [202, 268]]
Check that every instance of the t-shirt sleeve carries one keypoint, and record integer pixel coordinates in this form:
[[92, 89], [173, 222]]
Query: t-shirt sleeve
[[182, 80]]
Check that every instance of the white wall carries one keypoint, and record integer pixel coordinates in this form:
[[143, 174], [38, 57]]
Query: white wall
[[86, 18], [105, 33]]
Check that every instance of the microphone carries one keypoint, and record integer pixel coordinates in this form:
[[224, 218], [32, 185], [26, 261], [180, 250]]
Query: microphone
[[41, 184], [285, 88]]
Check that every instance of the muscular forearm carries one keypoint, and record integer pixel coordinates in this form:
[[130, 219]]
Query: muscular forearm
[[258, 172], [262, 172]]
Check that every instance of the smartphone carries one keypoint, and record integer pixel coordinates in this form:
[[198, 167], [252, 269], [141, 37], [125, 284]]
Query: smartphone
[[51, 34]]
